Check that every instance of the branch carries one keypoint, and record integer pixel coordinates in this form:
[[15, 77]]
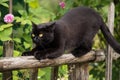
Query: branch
[[25, 62]]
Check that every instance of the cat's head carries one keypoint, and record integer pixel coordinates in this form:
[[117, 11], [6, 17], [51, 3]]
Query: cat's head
[[43, 34]]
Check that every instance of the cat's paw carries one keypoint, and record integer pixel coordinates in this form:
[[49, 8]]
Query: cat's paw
[[52, 56], [39, 55], [79, 53], [26, 53]]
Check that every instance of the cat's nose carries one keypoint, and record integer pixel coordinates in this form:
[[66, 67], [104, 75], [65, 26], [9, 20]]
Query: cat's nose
[[36, 39]]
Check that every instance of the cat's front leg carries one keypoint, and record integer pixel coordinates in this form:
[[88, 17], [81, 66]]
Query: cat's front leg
[[27, 53], [37, 54], [30, 53], [49, 53], [40, 55], [54, 54], [56, 51]]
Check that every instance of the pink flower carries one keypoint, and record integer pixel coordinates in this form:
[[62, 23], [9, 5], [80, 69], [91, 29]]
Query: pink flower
[[62, 4], [9, 18]]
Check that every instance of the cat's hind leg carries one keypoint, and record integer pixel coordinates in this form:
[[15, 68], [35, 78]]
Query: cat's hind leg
[[85, 46]]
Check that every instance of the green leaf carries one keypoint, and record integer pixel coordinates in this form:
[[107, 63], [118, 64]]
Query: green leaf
[[17, 40], [5, 26], [41, 72], [5, 5], [15, 77], [16, 53], [18, 19], [36, 20], [26, 45], [0, 13], [34, 3], [5, 38], [2, 1], [1, 49], [1, 28], [27, 38], [21, 12], [28, 1], [23, 20], [28, 22], [8, 31], [5, 34], [18, 33]]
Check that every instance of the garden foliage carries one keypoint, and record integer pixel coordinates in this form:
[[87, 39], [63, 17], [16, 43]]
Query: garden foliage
[[40, 11]]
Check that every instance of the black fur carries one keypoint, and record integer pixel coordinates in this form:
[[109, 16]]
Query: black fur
[[73, 32]]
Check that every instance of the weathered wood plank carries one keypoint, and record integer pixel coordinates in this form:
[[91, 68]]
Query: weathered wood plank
[[34, 74], [109, 54], [8, 52], [54, 73], [78, 71], [26, 62]]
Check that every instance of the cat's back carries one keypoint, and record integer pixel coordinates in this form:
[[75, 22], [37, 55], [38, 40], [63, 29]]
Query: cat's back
[[80, 13], [79, 23]]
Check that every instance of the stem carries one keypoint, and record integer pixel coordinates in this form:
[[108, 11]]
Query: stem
[[10, 6]]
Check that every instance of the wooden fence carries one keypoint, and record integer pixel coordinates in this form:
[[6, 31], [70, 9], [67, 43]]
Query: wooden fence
[[79, 65]]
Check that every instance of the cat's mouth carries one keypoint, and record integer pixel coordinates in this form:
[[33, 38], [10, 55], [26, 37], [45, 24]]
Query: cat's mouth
[[37, 42]]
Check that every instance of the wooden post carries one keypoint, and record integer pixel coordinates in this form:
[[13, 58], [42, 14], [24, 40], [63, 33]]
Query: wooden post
[[8, 52], [78, 71], [110, 50], [34, 74], [54, 73]]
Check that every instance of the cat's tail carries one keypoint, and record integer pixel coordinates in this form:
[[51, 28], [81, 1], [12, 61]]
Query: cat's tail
[[110, 39]]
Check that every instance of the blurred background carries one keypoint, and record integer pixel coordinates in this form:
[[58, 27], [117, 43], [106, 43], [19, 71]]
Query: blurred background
[[41, 11]]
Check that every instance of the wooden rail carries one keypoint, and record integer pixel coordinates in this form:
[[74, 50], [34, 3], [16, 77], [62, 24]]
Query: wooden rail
[[15, 63]]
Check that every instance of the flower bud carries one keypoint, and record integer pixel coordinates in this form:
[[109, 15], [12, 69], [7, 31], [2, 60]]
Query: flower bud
[[62, 4]]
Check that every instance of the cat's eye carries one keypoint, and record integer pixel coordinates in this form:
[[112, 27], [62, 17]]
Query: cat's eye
[[33, 35], [40, 35]]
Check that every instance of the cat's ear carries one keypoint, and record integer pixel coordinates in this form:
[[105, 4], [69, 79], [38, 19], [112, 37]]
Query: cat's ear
[[34, 25], [51, 26]]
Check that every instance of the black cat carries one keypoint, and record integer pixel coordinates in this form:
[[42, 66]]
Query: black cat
[[73, 32]]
